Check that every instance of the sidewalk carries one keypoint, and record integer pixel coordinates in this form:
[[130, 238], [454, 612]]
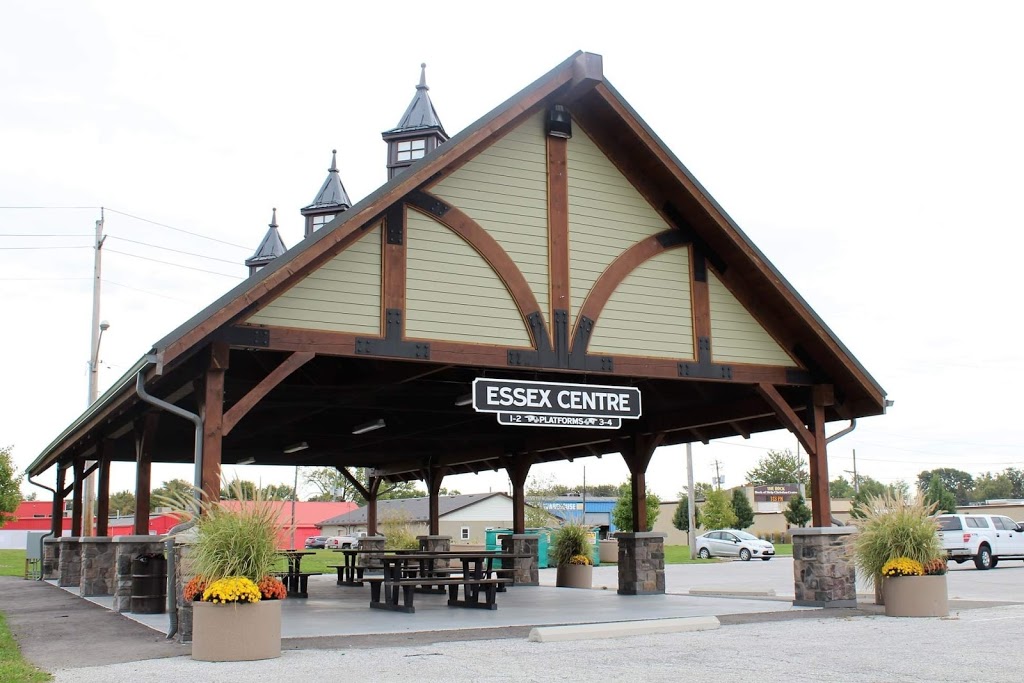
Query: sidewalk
[[83, 641]]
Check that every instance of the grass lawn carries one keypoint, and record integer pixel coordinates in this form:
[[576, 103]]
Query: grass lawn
[[12, 563], [13, 667]]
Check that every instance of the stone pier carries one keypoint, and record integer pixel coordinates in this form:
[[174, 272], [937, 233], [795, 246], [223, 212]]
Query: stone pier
[[51, 558], [526, 573], [823, 570], [99, 572], [126, 549], [370, 560], [182, 575], [70, 562], [641, 562]]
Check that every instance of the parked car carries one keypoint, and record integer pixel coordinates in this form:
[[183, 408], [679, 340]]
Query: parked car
[[316, 541], [339, 542], [984, 538], [733, 543]]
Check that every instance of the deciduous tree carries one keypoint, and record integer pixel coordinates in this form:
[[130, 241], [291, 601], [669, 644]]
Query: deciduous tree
[[779, 467], [937, 494], [681, 518], [123, 503], [717, 512], [622, 513], [10, 486], [959, 482]]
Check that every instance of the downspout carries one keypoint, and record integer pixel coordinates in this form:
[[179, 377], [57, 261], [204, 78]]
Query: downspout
[[829, 439], [140, 389], [842, 432], [48, 533]]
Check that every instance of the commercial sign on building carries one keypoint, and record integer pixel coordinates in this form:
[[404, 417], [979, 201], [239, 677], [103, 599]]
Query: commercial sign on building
[[775, 493], [551, 404]]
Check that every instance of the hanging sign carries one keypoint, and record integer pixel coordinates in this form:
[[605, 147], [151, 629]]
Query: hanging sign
[[551, 404]]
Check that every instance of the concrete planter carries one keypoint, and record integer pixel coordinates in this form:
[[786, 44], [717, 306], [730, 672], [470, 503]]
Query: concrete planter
[[574, 576], [608, 551], [915, 596], [236, 632]]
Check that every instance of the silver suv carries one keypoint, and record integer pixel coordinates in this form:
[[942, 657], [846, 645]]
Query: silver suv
[[986, 539]]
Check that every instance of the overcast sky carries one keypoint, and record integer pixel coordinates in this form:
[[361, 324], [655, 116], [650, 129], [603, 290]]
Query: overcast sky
[[873, 153]]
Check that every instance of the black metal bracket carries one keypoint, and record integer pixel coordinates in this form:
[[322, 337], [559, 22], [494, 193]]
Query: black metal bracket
[[560, 356], [248, 337], [392, 345], [690, 235], [394, 219], [704, 368], [432, 205]]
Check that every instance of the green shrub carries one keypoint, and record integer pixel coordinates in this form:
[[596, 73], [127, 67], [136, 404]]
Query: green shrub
[[397, 533]]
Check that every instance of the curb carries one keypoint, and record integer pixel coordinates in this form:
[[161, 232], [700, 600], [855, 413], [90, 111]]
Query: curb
[[734, 592], [556, 634]]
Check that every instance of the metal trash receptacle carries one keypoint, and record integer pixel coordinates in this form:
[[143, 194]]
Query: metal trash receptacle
[[149, 584]]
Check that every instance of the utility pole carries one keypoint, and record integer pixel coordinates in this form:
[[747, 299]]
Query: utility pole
[[95, 334], [295, 494], [718, 477], [691, 503], [856, 481]]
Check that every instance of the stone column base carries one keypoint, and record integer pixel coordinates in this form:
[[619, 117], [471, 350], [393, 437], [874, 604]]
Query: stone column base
[[98, 567], [526, 573], [434, 544], [70, 563], [641, 562], [369, 560], [182, 575], [51, 558], [126, 549], [823, 570]]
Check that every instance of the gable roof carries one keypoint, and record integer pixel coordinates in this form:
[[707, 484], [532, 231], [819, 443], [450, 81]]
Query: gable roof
[[628, 141], [414, 510]]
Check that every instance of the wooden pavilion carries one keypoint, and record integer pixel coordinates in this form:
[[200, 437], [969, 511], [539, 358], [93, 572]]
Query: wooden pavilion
[[557, 240]]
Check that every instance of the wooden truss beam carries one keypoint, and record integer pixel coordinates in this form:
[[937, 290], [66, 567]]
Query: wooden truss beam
[[266, 385], [787, 416]]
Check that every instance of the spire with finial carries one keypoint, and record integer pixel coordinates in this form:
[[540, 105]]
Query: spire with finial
[[270, 248], [329, 201], [418, 132]]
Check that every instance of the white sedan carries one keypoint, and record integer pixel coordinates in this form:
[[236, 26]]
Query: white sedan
[[733, 543]]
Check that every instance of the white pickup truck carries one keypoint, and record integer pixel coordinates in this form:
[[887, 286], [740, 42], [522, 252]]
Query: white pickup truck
[[339, 542], [986, 539]]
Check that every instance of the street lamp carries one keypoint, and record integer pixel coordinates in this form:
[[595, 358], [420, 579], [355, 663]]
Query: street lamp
[[89, 486]]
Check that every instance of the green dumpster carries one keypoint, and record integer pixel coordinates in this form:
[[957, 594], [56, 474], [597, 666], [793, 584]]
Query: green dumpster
[[492, 539]]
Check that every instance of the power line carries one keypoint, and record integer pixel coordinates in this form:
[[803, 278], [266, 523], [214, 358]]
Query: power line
[[77, 234], [171, 227], [177, 265], [176, 251], [40, 248], [145, 291], [40, 279], [49, 207]]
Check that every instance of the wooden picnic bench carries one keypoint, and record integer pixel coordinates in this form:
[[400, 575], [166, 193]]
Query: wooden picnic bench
[[294, 579], [404, 575]]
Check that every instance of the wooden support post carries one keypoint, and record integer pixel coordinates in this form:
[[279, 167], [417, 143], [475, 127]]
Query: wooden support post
[[145, 433], [371, 506], [103, 495], [213, 414], [637, 454], [822, 502], [76, 498], [434, 475], [57, 512], [518, 468]]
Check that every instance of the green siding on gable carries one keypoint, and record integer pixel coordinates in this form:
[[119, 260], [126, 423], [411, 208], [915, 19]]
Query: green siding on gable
[[607, 215], [650, 313], [504, 189], [736, 336], [452, 293], [343, 295]]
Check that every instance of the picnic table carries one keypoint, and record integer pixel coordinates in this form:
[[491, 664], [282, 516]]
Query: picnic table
[[295, 580], [349, 574], [405, 574]]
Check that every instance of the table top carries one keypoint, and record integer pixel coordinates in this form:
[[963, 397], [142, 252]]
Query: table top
[[296, 552]]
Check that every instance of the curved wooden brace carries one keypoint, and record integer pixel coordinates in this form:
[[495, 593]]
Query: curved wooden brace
[[495, 255], [620, 268]]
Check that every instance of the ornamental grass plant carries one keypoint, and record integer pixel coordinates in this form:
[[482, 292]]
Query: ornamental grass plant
[[569, 544], [895, 534], [231, 543]]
